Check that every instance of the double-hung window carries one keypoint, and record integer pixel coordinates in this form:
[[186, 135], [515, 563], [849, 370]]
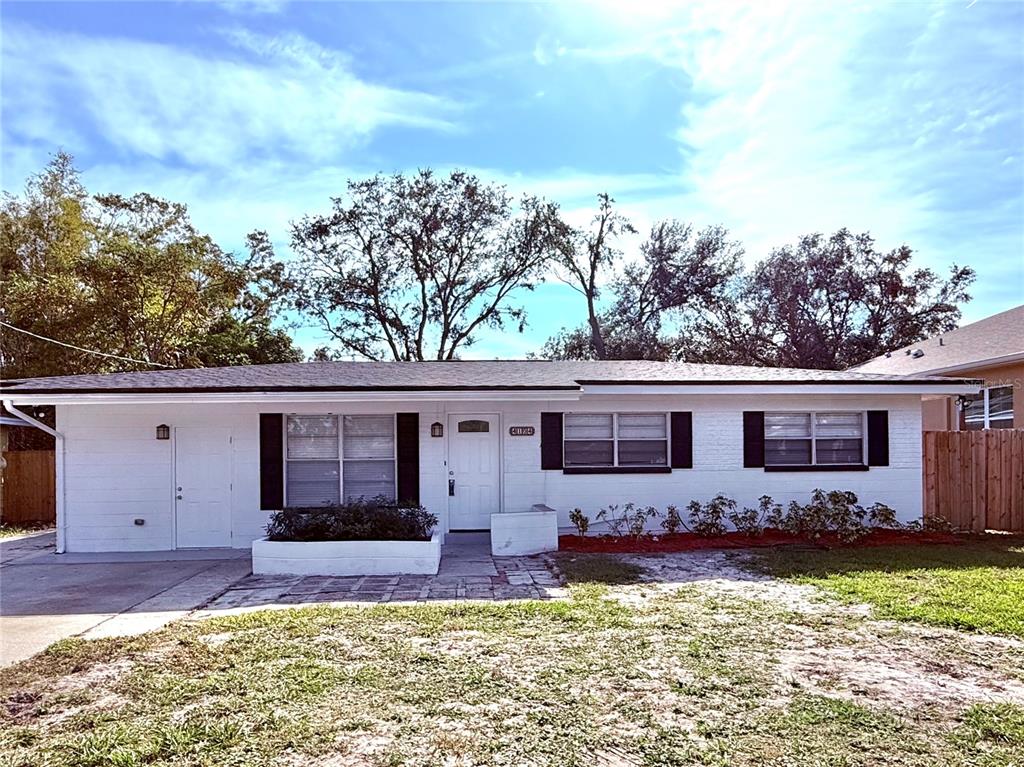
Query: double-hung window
[[330, 458], [615, 440], [991, 408], [809, 439]]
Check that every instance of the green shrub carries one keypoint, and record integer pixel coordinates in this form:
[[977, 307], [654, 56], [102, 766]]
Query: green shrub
[[708, 519], [835, 511], [752, 521], [673, 521], [580, 520], [632, 521], [377, 519]]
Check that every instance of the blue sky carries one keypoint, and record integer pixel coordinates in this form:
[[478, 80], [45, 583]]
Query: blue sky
[[773, 119]]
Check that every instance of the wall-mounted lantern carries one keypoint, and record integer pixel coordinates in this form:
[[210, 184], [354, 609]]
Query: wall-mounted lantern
[[437, 429], [163, 431]]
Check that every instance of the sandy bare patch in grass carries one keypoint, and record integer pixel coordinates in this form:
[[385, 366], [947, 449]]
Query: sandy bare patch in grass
[[842, 652]]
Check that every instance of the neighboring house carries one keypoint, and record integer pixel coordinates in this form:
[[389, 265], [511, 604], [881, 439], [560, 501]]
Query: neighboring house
[[991, 349], [199, 458]]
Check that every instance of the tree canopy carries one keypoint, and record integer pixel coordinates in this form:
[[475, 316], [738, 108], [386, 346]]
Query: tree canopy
[[826, 302], [127, 276], [413, 267]]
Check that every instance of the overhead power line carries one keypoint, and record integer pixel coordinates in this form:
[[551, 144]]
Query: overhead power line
[[80, 349]]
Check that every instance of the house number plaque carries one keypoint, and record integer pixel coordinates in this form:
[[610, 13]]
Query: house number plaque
[[521, 431]]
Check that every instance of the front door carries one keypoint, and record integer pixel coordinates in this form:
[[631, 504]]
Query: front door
[[473, 471], [202, 461]]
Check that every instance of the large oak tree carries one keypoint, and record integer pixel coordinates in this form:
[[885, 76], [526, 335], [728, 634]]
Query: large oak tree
[[413, 267], [827, 302]]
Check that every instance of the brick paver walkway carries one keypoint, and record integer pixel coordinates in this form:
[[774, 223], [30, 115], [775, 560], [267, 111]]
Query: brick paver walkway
[[466, 573]]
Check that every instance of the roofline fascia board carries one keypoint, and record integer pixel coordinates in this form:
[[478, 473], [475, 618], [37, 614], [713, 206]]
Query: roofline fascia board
[[831, 387], [137, 398], [12, 391], [991, 362]]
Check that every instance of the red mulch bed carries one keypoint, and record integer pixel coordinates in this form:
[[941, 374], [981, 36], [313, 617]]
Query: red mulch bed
[[672, 542]]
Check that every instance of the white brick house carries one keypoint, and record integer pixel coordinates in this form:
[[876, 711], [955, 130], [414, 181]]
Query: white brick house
[[199, 458]]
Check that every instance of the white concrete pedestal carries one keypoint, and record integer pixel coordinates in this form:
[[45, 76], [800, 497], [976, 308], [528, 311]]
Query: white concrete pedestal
[[524, 532]]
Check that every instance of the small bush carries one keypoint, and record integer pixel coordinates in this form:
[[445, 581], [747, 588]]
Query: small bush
[[580, 520], [930, 523], [632, 521], [752, 521], [377, 519], [708, 519], [880, 515], [836, 512], [673, 521]]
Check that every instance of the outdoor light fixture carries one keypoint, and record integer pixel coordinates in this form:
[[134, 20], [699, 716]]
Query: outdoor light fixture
[[163, 431], [436, 429], [962, 402]]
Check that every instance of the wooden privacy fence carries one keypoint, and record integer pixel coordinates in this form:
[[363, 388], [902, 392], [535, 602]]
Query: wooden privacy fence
[[975, 479], [29, 492]]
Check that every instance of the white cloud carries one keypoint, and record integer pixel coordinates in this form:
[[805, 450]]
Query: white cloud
[[258, 7], [281, 97]]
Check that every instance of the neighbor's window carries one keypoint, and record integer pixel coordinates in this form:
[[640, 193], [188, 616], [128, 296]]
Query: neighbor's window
[[806, 439], [991, 408], [615, 439], [326, 463]]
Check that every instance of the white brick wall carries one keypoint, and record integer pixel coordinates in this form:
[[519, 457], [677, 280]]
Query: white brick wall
[[117, 471]]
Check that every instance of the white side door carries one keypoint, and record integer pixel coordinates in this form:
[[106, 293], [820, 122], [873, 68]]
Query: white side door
[[473, 470], [202, 464]]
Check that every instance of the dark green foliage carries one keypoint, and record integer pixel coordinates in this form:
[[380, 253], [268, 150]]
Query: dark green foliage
[[673, 521], [708, 519], [580, 520], [752, 521], [128, 276], [377, 519]]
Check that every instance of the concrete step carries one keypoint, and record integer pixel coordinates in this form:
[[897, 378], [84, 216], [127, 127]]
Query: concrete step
[[468, 538]]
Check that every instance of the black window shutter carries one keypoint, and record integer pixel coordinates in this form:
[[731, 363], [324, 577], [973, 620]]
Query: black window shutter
[[753, 439], [878, 438], [682, 440], [271, 461], [408, 452], [551, 440]]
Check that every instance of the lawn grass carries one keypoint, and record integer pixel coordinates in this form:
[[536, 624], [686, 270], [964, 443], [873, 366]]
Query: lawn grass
[[977, 586], [685, 678]]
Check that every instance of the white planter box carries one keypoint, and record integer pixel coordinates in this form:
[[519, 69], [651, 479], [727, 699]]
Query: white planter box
[[346, 557], [524, 532]]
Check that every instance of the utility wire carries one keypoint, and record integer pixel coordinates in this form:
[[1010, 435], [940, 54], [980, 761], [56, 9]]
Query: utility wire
[[79, 348]]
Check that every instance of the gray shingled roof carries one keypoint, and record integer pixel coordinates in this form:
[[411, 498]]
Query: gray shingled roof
[[1000, 335], [433, 376]]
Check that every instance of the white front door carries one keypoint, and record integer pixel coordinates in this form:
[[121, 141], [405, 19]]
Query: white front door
[[202, 461], [473, 471]]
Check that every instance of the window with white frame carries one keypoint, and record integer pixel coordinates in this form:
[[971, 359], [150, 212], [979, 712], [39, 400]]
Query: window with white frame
[[368, 453], [615, 439], [808, 439], [991, 408], [327, 460]]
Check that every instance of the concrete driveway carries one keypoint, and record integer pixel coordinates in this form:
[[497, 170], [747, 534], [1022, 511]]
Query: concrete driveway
[[45, 597]]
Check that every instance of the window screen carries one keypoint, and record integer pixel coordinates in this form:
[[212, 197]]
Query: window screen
[[312, 455], [615, 439], [804, 439], [369, 456]]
